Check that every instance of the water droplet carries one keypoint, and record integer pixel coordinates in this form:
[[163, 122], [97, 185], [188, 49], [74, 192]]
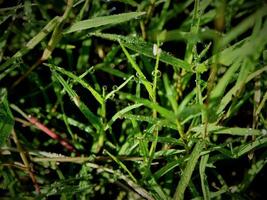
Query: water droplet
[[112, 9], [137, 80], [156, 73], [114, 87], [105, 88], [22, 101], [92, 70]]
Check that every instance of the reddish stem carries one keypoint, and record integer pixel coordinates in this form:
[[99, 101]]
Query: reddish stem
[[52, 134]]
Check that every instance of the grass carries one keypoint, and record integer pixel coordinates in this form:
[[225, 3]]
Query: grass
[[133, 99]]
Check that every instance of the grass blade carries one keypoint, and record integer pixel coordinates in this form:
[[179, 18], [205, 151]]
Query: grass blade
[[188, 171], [32, 43], [97, 96], [121, 165], [101, 21], [145, 48], [75, 98], [146, 83], [6, 117], [203, 176]]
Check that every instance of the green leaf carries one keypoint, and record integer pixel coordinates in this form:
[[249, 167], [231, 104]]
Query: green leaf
[[6, 117], [105, 20]]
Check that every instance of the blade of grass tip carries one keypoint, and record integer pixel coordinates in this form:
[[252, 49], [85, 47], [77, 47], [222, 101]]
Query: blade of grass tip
[[203, 176], [79, 80], [32, 43], [188, 171], [120, 113], [139, 72], [121, 165], [92, 118], [104, 20], [116, 89]]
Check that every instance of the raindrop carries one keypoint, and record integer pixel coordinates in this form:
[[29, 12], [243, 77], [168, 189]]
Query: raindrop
[[114, 87], [92, 70], [156, 73], [22, 101], [105, 88]]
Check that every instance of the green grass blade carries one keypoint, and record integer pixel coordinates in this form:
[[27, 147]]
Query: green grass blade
[[151, 120], [244, 25], [203, 176], [167, 168], [120, 113], [212, 128], [219, 89], [6, 117], [143, 78], [154, 106], [170, 93], [228, 97], [32, 43], [146, 49], [188, 171], [121, 165], [97, 96], [118, 88], [245, 148], [101, 21], [92, 118]]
